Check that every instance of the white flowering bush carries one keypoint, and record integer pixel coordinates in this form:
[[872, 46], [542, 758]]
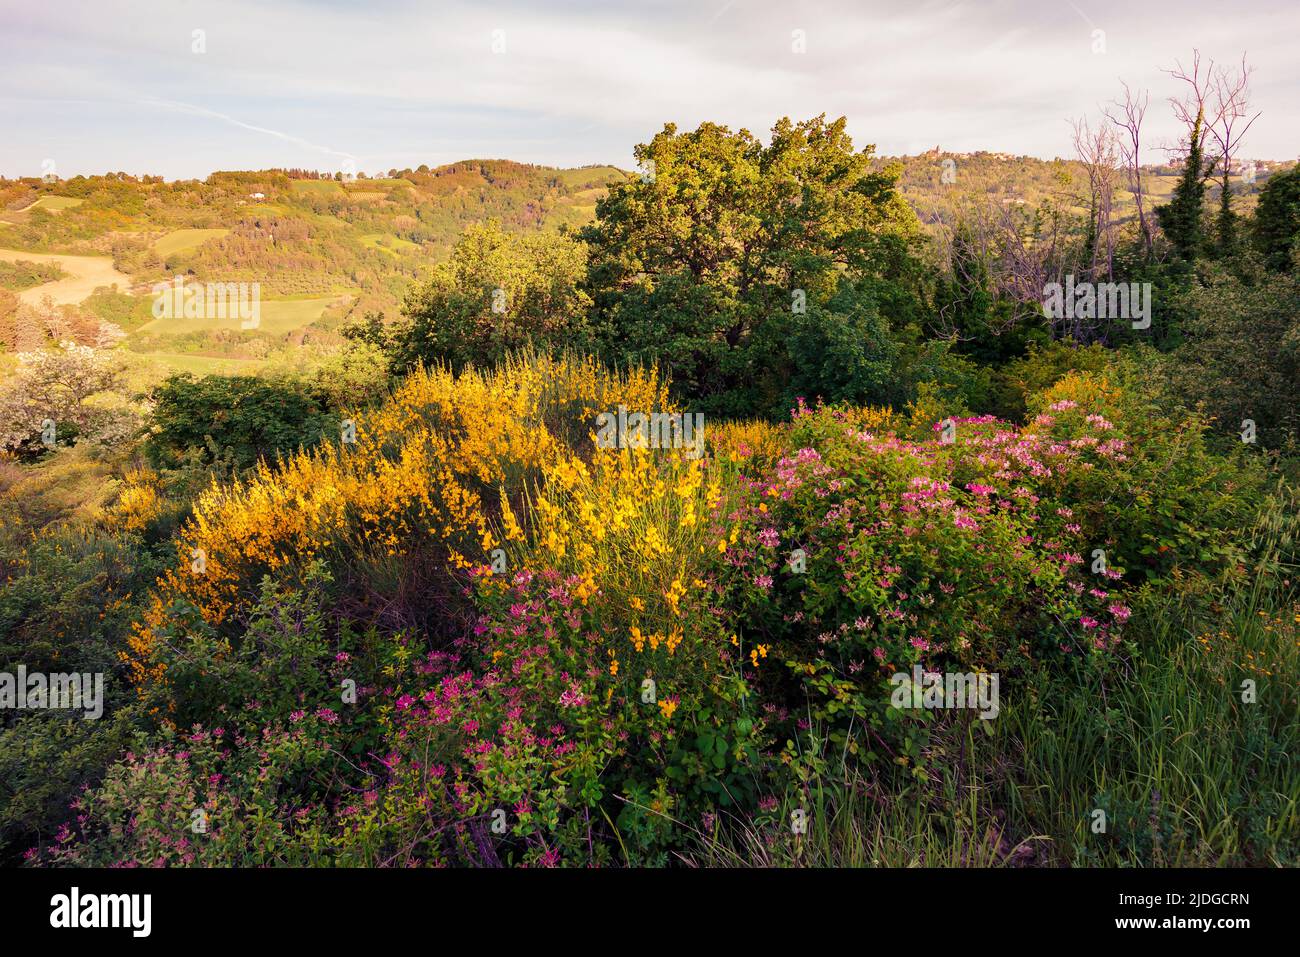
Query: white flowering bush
[[75, 388]]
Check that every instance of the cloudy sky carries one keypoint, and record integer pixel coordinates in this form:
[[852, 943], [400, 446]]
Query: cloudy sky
[[102, 85]]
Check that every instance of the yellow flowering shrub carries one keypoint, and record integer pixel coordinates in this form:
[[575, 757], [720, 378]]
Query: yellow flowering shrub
[[633, 526], [610, 621], [138, 503], [1086, 390], [420, 480]]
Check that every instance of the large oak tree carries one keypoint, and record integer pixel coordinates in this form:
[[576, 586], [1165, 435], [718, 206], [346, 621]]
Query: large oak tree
[[728, 260]]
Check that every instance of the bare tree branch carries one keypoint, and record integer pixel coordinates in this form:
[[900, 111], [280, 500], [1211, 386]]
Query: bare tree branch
[[1128, 116]]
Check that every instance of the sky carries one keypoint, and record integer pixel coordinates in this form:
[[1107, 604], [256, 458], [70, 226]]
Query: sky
[[187, 87]]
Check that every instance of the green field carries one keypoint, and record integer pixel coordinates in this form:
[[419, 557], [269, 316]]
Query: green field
[[184, 239], [389, 244], [278, 316], [55, 204], [320, 187], [198, 365], [598, 175], [203, 365]]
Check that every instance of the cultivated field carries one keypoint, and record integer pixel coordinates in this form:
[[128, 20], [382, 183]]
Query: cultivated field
[[183, 240]]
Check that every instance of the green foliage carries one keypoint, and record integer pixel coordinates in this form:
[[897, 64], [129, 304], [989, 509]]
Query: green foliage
[[206, 804], [65, 602], [986, 324], [252, 418], [1277, 220], [1040, 369], [962, 555], [933, 372], [121, 309], [352, 377], [497, 293], [706, 265], [46, 760], [842, 351], [1180, 218], [1186, 772], [23, 274], [1241, 359], [288, 655]]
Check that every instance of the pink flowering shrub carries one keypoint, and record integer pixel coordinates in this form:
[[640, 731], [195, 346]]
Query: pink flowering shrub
[[927, 549], [1004, 549], [206, 798], [520, 741], [1143, 483], [572, 743], [544, 736]]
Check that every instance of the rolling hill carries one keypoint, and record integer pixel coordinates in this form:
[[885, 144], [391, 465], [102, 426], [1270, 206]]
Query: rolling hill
[[321, 249], [324, 250]]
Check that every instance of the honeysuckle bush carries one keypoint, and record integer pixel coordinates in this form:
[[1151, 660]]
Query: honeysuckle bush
[[209, 797], [1147, 483], [988, 547]]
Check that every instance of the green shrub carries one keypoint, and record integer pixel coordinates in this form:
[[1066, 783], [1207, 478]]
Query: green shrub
[[252, 418]]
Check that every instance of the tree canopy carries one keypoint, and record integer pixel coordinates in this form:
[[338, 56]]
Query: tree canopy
[[709, 262]]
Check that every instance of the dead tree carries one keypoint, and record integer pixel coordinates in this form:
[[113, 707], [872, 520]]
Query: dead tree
[[1097, 149], [1192, 107], [1230, 89], [1127, 118]]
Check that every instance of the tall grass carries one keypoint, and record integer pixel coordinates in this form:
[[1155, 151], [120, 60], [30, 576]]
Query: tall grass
[[1186, 771]]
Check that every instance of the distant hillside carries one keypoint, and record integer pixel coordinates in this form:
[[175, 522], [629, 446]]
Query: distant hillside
[[1005, 180], [427, 207], [323, 249]]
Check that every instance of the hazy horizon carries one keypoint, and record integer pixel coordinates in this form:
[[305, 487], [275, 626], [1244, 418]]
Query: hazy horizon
[[99, 87]]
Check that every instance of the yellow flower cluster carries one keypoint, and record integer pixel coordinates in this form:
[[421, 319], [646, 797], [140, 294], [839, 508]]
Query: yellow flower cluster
[[630, 523], [138, 502], [415, 479], [872, 419], [754, 443], [632, 526]]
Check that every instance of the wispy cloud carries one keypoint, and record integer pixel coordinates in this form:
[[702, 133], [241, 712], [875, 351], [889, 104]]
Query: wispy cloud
[[298, 141]]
